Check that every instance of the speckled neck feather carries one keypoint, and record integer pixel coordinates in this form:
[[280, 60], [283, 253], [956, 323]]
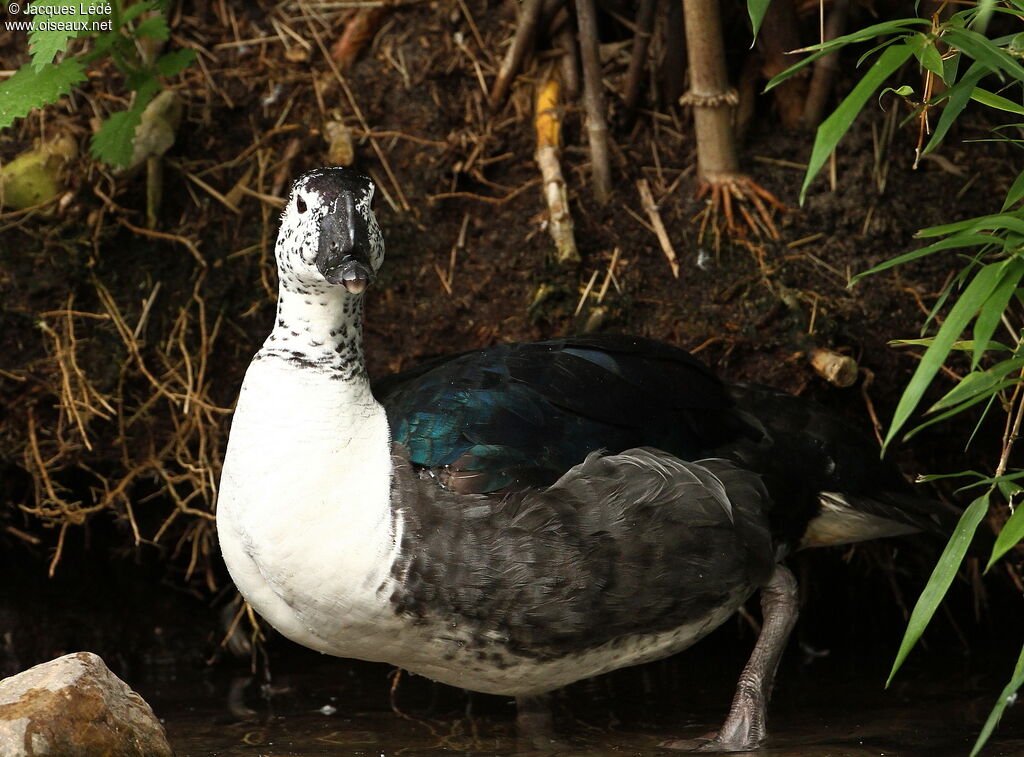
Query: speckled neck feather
[[318, 327]]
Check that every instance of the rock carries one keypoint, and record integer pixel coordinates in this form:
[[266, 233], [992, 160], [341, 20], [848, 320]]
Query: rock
[[75, 707]]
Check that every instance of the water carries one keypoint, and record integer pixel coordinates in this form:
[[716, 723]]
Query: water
[[829, 709]]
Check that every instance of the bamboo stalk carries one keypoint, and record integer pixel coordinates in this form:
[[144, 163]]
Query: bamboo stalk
[[710, 95], [569, 65], [526, 33], [548, 125], [593, 101], [825, 68], [638, 56]]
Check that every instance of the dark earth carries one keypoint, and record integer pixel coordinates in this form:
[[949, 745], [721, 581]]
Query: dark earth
[[117, 501]]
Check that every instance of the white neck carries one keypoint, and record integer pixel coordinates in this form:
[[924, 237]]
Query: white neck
[[304, 512]]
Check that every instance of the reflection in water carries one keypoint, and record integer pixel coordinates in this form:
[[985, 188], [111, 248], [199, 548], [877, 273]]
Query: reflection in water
[[817, 712]]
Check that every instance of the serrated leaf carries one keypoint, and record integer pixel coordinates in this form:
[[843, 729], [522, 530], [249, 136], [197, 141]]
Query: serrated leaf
[[1011, 533], [129, 13], [29, 88], [1006, 697], [174, 63], [45, 44], [154, 27], [836, 125], [963, 310], [942, 576], [113, 144]]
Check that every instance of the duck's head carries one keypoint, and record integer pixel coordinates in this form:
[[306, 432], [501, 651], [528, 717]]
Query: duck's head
[[329, 236]]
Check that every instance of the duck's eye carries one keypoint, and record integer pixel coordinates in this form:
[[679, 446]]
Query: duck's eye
[[300, 204]]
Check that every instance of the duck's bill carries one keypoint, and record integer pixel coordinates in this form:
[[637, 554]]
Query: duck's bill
[[352, 273]]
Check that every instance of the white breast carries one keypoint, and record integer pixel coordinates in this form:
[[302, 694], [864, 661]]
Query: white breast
[[304, 511]]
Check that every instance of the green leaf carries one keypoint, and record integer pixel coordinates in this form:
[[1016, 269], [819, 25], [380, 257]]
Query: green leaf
[[992, 311], [985, 395], [45, 44], [996, 221], [1005, 698], [977, 382], [1011, 533], [958, 240], [1015, 193], [958, 96], [985, 51], [756, 9], [992, 100], [963, 310], [836, 125], [154, 27], [175, 62], [967, 345], [941, 578], [113, 144], [929, 57], [824, 48], [134, 10], [29, 88]]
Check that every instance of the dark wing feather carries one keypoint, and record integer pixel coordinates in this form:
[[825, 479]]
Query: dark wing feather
[[525, 413]]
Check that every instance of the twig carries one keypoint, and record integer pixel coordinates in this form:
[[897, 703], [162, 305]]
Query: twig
[[593, 100], [659, 228], [526, 32], [189, 245], [638, 56]]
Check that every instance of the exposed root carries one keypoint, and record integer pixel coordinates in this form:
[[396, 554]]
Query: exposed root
[[733, 195]]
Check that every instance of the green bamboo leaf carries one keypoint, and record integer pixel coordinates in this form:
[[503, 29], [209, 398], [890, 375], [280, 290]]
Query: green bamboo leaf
[[985, 395], [836, 125], [929, 58], [756, 10], [896, 27], [1015, 193], [1011, 533], [996, 221], [992, 100], [970, 300], [985, 51], [959, 240], [1007, 696], [992, 311], [966, 345], [942, 576], [957, 97], [977, 382]]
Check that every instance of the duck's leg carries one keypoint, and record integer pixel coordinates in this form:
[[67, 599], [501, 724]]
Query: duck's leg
[[745, 727], [534, 723]]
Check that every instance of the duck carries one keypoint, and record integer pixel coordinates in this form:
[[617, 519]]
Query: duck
[[514, 519]]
